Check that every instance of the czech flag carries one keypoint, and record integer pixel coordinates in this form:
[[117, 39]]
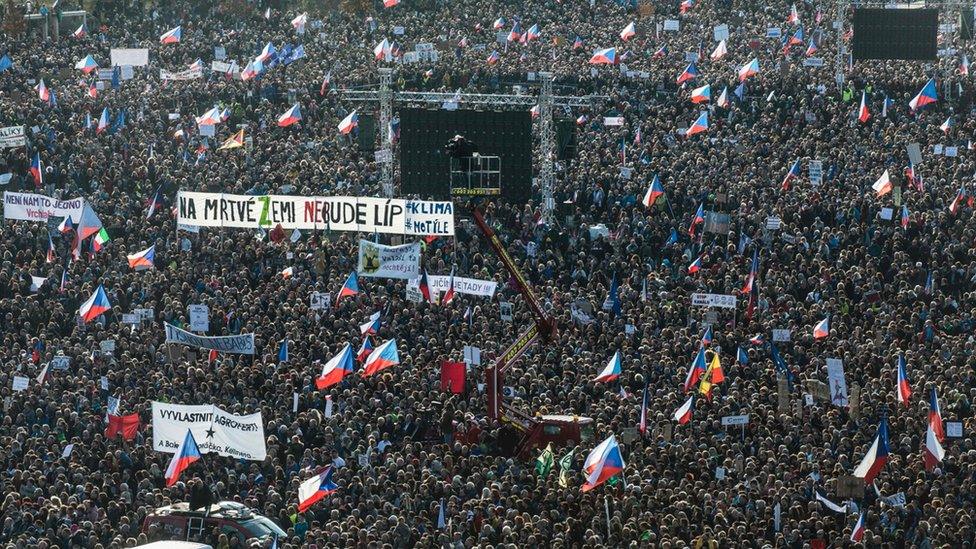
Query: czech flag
[[611, 371], [964, 66], [606, 56], [702, 94], [696, 370], [602, 463], [515, 33], [196, 65], [499, 23], [661, 52], [706, 338], [349, 123], [42, 92], [629, 31], [946, 126], [424, 287], [700, 125], [876, 456], [81, 31], [93, 93], [685, 6], [372, 326], [364, 350], [314, 489], [910, 173], [904, 217], [934, 453], [37, 171], [95, 306], [749, 69], [336, 368], [269, 52], [791, 175], [349, 288], [883, 185], [695, 265], [210, 118], [533, 33], [493, 58], [862, 113], [87, 64], [172, 36], [299, 22], [904, 389], [251, 70], [723, 99], [291, 116], [797, 38], [381, 49], [143, 260], [926, 96], [698, 218], [720, 51], [381, 358], [50, 249], [577, 43], [757, 339], [103, 121], [813, 47], [390, 3], [935, 415], [858, 533], [822, 329], [683, 414], [653, 192], [185, 455], [690, 73], [794, 17], [957, 201], [66, 225]]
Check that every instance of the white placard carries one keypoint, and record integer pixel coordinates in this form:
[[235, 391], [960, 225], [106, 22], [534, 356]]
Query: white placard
[[719, 473], [103, 383], [808, 399], [735, 420], [207, 130], [199, 317], [60, 362], [20, 383], [837, 382], [130, 318], [294, 402], [328, 406], [953, 429], [781, 334], [472, 355], [886, 213], [37, 207], [505, 309], [937, 149], [813, 62], [398, 31], [672, 25], [462, 285], [220, 53], [12, 136], [107, 346], [239, 344], [66, 453], [145, 314], [319, 301], [722, 301], [240, 437], [914, 153], [816, 172], [773, 32], [952, 151], [133, 57], [773, 223], [720, 32], [613, 121], [336, 213], [382, 261], [413, 294]]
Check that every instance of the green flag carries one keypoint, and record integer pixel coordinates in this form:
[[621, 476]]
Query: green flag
[[543, 464], [565, 463]]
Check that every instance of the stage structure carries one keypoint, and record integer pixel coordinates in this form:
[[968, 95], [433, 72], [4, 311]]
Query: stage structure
[[547, 133]]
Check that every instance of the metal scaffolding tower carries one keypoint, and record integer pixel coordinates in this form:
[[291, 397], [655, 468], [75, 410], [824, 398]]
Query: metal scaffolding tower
[[547, 134]]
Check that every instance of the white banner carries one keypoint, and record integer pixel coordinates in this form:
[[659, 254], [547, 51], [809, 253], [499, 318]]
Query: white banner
[[215, 430], [12, 136], [836, 382], [240, 344], [37, 207], [467, 286], [380, 261], [134, 57], [722, 301], [224, 67], [335, 213], [187, 74]]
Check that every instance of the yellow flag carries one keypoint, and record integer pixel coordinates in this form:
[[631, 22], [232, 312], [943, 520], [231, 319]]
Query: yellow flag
[[234, 141]]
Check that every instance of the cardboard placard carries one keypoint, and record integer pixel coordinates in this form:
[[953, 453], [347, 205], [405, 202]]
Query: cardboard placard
[[20, 383]]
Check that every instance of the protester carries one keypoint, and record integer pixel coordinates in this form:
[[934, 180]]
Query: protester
[[413, 464]]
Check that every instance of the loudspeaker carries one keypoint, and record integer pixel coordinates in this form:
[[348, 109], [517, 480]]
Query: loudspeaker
[[367, 133], [565, 139], [966, 23]]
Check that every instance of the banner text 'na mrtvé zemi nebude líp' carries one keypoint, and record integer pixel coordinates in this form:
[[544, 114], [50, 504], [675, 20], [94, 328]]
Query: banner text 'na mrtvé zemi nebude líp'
[[335, 213]]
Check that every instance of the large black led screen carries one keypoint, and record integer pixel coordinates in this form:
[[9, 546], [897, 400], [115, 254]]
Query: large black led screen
[[895, 33]]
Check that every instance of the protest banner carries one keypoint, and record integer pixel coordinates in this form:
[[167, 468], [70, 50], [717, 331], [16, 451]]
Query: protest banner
[[186, 74], [37, 207], [134, 57], [335, 213], [381, 261], [239, 344], [229, 435], [837, 382], [12, 136], [199, 317], [466, 286]]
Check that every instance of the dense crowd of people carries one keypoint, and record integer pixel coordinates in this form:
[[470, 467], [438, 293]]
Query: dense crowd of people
[[404, 451]]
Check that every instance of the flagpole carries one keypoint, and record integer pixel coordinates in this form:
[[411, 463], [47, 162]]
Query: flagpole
[[606, 507]]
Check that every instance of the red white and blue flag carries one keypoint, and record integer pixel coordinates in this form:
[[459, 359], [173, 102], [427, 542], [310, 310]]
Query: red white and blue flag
[[857, 534], [349, 123], [292, 115], [822, 329], [336, 368], [720, 51], [87, 64], [381, 358], [43, 93], [749, 69], [702, 94], [95, 305], [698, 126], [629, 31], [862, 113], [365, 349], [611, 371], [684, 412], [934, 434], [935, 415], [903, 388], [653, 192], [185, 455], [606, 56], [171, 36], [696, 370], [877, 455], [349, 288], [37, 170], [143, 260], [791, 175], [603, 462], [103, 121], [926, 96], [696, 265], [699, 217], [372, 326], [690, 73], [314, 489]]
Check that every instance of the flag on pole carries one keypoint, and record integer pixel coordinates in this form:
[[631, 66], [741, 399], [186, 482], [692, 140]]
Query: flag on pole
[[611, 371], [233, 142], [602, 463], [95, 305], [336, 368], [172, 36], [315, 488], [381, 358], [903, 389], [862, 113], [185, 455], [545, 461], [876, 456]]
